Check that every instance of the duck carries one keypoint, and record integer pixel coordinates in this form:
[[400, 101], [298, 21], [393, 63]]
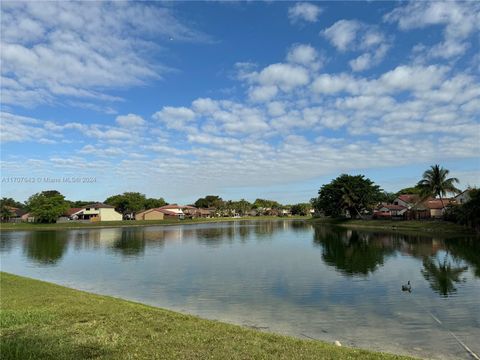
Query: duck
[[407, 287]]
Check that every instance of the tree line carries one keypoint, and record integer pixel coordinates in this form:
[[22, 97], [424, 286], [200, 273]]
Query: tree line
[[357, 195], [48, 206]]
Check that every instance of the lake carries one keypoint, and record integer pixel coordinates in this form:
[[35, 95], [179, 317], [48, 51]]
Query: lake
[[286, 276]]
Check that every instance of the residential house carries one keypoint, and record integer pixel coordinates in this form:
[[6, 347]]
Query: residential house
[[437, 206], [15, 214], [390, 211], [173, 211], [150, 214], [96, 212]]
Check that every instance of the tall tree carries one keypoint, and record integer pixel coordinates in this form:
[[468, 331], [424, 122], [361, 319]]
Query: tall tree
[[11, 203], [154, 203], [210, 201], [302, 209], [128, 202], [435, 183], [47, 206], [347, 193]]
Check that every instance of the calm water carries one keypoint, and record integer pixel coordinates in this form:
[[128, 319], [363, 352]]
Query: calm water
[[283, 276]]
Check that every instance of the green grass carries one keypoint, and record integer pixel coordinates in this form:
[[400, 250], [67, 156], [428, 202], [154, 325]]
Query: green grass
[[436, 227], [129, 223], [39, 320]]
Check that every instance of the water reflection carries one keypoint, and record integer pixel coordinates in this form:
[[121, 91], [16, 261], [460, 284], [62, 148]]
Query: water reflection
[[290, 276], [45, 248], [359, 253], [351, 252], [443, 274], [130, 242]]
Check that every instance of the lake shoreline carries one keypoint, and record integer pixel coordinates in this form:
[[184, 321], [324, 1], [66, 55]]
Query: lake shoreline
[[136, 223], [41, 319], [430, 227]]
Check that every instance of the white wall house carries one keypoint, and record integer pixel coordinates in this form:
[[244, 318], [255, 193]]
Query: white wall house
[[97, 212]]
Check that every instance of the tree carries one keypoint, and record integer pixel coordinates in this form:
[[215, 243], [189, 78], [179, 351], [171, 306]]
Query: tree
[[347, 193], [410, 190], [209, 201], [266, 204], [154, 203], [128, 202], [389, 197], [302, 209], [11, 203], [435, 183], [47, 206], [241, 207], [5, 212], [468, 213]]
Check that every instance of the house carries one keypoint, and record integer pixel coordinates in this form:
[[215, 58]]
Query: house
[[150, 214], [463, 197], [390, 211], [407, 200], [437, 206], [96, 212], [173, 211], [15, 214]]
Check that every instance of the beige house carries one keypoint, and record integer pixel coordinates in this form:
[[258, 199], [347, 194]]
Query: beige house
[[173, 211], [97, 212], [150, 214]]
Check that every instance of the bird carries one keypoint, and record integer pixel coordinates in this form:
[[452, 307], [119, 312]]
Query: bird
[[407, 287]]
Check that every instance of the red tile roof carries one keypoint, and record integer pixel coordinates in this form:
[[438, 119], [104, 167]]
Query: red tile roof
[[409, 198], [393, 207], [72, 211], [437, 203]]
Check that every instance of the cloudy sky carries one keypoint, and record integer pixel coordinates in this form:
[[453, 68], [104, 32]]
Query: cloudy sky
[[243, 100]]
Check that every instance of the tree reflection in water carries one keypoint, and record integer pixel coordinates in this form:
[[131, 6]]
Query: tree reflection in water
[[130, 243], [443, 275], [350, 252], [45, 247]]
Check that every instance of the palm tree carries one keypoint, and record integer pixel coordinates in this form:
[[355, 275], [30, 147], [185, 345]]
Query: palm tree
[[435, 183], [442, 276]]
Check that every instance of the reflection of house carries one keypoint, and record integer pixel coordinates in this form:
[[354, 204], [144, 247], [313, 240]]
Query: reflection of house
[[96, 212]]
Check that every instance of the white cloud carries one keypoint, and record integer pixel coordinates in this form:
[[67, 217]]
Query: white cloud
[[101, 152], [353, 35], [263, 93], [19, 128], [305, 55], [461, 19], [285, 76], [304, 11], [52, 50], [130, 120], [342, 34], [175, 117]]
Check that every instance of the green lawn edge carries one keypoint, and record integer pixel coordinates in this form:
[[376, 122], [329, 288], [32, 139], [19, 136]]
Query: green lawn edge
[[134, 223], [40, 320], [426, 227]]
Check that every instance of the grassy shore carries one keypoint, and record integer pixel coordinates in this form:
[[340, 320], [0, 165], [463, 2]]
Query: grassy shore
[[436, 227], [44, 321], [130, 223]]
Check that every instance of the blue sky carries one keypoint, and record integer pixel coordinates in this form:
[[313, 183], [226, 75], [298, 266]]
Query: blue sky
[[239, 99]]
